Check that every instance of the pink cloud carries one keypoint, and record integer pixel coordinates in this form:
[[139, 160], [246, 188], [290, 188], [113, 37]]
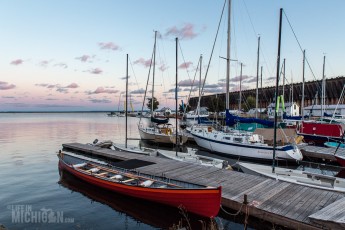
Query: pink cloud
[[44, 63], [108, 46], [52, 86], [238, 78], [103, 90], [6, 86], [188, 83], [186, 32], [143, 62], [96, 71], [85, 58], [185, 65], [17, 62], [72, 86]]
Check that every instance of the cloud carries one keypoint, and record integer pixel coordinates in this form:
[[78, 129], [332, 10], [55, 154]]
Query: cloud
[[52, 86], [6, 86], [211, 86], [163, 67], [213, 90], [124, 78], [238, 78], [8, 97], [188, 83], [95, 71], [59, 88], [62, 65], [138, 91], [250, 80], [270, 79], [85, 58], [143, 62], [100, 100], [194, 89], [108, 46], [186, 32], [72, 86], [173, 90], [62, 90], [185, 65], [102, 90], [17, 62], [44, 63]]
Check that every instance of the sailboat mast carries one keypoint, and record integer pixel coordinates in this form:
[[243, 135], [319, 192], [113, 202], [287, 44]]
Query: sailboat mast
[[240, 99], [227, 104], [126, 98], [176, 90], [198, 108], [323, 88], [153, 73], [261, 91], [284, 79], [276, 93], [302, 103], [257, 80]]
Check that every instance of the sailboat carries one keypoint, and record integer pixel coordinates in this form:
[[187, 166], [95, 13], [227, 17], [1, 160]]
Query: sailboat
[[160, 131], [295, 176], [237, 143]]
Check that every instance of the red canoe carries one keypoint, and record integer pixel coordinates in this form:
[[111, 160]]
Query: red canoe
[[201, 200]]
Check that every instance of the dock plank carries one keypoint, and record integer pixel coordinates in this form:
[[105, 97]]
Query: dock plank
[[290, 205], [331, 216]]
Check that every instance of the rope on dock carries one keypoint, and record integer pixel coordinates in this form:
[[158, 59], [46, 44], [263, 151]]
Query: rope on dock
[[238, 212]]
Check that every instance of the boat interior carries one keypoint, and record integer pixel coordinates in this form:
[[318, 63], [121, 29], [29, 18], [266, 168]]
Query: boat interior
[[128, 176]]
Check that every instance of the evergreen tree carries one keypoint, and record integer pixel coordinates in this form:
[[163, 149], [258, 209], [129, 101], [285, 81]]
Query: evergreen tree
[[155, 103]]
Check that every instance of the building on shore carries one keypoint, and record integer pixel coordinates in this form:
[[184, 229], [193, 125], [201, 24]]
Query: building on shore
[[312, 92]]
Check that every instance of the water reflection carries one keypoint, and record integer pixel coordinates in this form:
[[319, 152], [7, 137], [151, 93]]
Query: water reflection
[[153, 214]]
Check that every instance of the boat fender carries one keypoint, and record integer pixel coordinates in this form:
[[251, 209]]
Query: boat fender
[[93, 170], [118, 177], [146, 183], [79, 165]]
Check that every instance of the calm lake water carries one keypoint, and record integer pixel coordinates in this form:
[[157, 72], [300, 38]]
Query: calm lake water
[[32, 196]]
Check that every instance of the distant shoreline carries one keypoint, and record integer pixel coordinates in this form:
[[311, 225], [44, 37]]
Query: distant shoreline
[[59, 111]]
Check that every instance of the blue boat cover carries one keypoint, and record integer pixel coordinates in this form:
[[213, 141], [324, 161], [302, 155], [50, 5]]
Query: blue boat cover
[[231, 120], [160, 121]]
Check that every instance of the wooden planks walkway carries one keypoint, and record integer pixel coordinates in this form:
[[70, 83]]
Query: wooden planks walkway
[[291, 205]]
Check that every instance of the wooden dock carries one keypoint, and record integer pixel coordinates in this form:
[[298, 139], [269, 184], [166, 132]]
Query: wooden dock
[[286, 204]]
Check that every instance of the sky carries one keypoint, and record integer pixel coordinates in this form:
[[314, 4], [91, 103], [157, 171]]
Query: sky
[[71, 55]]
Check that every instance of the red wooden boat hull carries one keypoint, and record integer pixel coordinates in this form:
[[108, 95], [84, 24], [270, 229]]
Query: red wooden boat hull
[[340, 160], [204, 202]]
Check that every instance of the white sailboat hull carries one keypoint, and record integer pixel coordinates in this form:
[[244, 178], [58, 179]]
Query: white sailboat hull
[[214, 142], [296, 176], [153, 135]]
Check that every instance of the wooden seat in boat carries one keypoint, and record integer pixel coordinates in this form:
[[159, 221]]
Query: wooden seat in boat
[[126, 181], [102, 174]]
